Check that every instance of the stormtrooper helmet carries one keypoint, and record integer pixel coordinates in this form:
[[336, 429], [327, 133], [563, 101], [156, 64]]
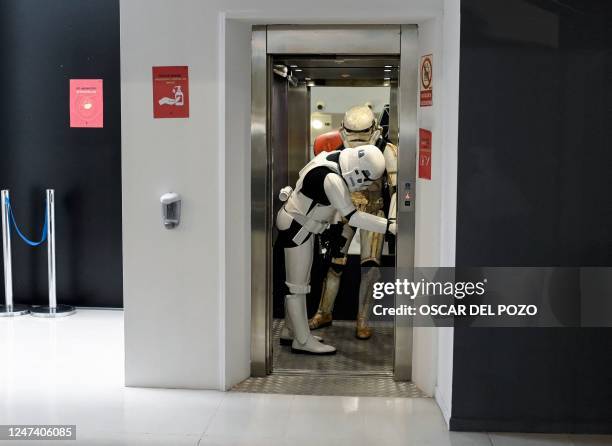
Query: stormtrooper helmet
[[359, 126], [361, 166]]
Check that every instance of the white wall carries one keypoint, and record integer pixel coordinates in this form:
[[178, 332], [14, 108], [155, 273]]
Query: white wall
[[235, 271], [428, 194], [448, 201], [436, 198], [171, 277], [187, 291]]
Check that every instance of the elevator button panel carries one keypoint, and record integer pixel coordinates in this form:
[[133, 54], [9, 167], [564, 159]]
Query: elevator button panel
[[407, 197]]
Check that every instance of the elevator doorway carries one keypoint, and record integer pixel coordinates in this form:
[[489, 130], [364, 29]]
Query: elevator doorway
[[303, 80]]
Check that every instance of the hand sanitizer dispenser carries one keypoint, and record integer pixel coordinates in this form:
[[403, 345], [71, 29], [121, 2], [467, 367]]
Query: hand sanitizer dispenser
[[171, 209]]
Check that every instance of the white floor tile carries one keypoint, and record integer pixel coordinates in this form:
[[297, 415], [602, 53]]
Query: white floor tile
[[591, 440], [70, 371], [501, 439], [326, 417], [244, 440], [251, 415], [169, 411], [113, 439], [403, 418]]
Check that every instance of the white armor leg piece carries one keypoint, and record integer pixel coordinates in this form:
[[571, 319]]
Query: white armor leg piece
[[303, 341], [286, 334], [298, 263]]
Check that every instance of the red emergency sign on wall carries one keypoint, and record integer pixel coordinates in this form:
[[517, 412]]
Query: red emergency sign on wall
[[425, 154], [170, 92], [86, 103], [426, 74]]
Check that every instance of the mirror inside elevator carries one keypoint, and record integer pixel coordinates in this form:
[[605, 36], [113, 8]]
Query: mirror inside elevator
[[308, 99]]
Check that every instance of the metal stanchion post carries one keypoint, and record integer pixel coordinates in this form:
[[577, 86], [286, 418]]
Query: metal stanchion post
[[8, 309], [53, 310]]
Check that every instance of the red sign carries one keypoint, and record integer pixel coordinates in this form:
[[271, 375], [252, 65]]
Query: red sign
[[86, 103], [170, 92], [425, 154], [426, 73]]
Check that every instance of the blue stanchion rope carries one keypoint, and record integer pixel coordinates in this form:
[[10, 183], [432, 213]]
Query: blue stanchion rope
[[23, 237]]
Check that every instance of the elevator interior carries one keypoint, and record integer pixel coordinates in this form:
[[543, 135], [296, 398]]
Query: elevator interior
[[310, 80], [311, 101]]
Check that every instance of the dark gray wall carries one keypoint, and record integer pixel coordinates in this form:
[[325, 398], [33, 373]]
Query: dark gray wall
[[43, 44], [535, 163]]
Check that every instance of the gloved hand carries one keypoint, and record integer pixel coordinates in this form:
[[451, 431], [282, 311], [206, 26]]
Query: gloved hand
[[333, 240]]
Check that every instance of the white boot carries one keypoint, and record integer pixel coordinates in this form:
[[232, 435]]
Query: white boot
[[303, 341], [286, 334]]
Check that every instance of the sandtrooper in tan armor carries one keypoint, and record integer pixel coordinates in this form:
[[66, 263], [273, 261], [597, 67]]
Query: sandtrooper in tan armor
[[359, 127]]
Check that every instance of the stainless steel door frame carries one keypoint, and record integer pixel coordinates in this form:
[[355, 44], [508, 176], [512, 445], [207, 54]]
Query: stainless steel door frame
[[407, 155], [261, 215], [334, 39], [356, 40]]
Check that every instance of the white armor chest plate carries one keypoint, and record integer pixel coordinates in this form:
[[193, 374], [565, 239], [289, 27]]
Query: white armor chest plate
[[313, 218]]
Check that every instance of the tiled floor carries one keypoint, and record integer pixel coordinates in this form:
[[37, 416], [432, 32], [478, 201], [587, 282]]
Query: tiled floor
[[71, 372]]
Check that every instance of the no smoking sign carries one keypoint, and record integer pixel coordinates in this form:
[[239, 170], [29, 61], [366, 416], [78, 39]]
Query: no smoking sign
[[426, 74]]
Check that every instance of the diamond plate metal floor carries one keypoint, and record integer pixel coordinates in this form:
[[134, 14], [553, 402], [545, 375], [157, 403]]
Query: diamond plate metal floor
[[330, 385], [359, 368], [355, 357]]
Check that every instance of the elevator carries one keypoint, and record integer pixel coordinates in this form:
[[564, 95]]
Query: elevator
[[303, 78]]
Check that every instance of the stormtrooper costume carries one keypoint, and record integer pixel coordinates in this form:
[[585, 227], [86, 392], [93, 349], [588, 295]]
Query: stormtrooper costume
[[359, 127], [321, 197]]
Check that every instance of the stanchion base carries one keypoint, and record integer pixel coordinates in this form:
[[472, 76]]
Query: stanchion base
[[14, 310], [59, 311]]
